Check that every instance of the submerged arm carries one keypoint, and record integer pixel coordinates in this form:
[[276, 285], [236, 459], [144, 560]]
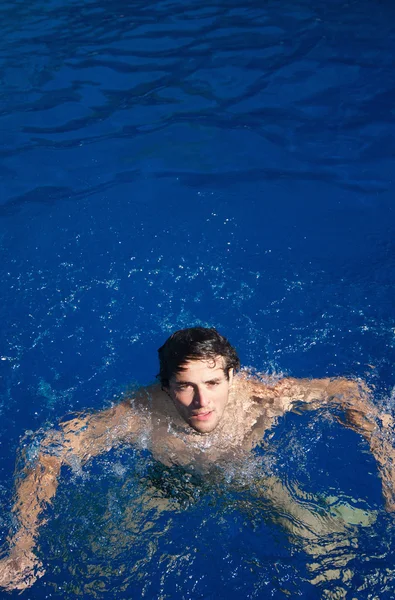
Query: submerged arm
[[78, 439]]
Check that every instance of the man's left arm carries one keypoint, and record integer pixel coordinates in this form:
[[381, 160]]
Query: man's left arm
[[359, 413]]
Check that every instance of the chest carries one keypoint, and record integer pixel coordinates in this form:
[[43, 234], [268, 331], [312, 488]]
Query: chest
[[172, 441]]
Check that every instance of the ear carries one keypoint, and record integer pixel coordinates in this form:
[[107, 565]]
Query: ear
[[230, 376]]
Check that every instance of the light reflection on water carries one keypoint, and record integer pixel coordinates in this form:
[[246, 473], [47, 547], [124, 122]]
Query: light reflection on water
[[128, 525], [172, 164]]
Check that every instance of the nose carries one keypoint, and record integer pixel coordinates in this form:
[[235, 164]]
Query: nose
[[200, 398]]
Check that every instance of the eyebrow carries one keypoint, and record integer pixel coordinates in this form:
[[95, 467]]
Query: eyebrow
[[213, 380]]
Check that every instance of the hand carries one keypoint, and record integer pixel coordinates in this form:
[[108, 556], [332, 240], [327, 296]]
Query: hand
[[20, 570]]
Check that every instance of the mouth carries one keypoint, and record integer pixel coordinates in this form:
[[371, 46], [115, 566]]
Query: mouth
[[203, 416]]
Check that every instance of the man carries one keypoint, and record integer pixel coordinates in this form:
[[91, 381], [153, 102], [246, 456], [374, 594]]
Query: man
[[203, 410]]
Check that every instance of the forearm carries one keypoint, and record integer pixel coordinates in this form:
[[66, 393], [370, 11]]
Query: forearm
[[379, 433], [365, 418], [359, 413], [34, 491]]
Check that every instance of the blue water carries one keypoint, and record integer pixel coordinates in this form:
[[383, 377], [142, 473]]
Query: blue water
[[178, 163]]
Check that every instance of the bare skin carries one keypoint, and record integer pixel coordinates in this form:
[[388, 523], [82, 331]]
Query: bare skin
[[204, 415]]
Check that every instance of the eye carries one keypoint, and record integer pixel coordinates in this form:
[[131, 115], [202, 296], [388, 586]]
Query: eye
[[213, 383], [182, 386]]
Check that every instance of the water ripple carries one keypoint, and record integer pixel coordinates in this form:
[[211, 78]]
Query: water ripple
[[311, 91]]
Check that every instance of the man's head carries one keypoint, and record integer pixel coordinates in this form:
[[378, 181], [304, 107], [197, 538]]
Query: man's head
[[196, 370]]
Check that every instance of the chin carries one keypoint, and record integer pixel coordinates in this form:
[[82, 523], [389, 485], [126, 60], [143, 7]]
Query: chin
[[204, 427]]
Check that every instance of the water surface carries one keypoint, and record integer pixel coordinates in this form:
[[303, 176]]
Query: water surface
[[170, 164]]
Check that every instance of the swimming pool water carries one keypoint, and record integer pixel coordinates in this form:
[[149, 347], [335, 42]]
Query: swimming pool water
[[178, 163]]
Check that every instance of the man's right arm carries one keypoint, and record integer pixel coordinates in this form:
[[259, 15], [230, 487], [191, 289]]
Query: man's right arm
[[78, 439]]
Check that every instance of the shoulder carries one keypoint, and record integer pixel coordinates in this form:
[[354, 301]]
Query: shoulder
[[151, 401], [272, 391], [146, 398], [265, 395], [258, 385], [129, 415]]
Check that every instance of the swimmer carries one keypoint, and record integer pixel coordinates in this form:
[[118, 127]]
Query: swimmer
[[203, 409]]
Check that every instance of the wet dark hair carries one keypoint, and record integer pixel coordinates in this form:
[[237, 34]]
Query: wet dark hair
[[194, 343]]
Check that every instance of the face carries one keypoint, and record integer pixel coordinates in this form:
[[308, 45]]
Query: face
[[200, 393]]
